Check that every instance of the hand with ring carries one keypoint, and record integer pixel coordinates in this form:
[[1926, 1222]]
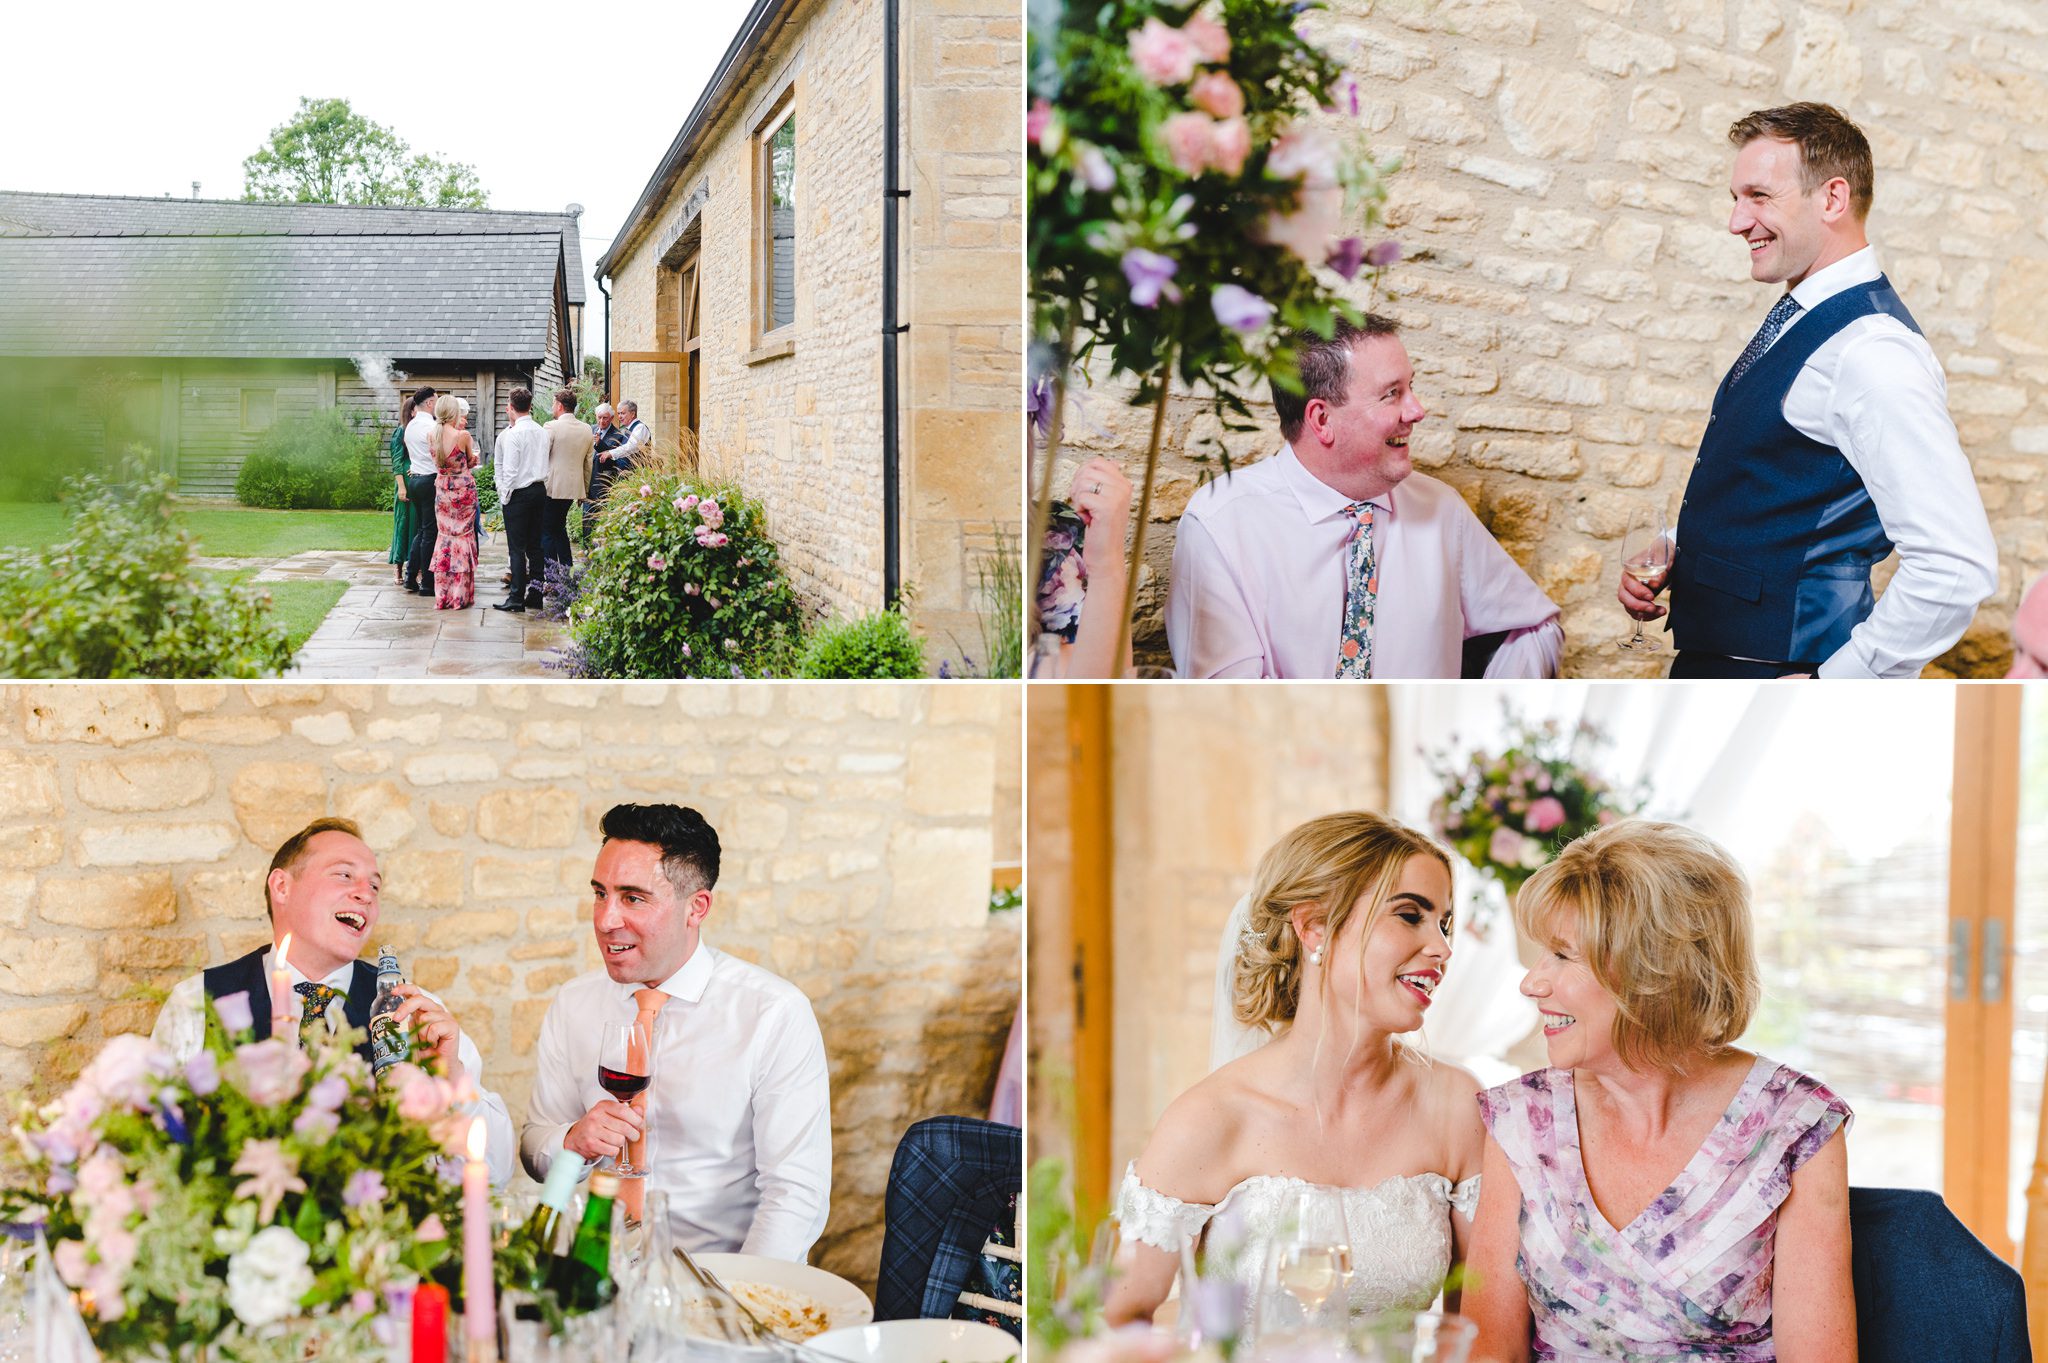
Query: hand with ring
[[1101, 495]]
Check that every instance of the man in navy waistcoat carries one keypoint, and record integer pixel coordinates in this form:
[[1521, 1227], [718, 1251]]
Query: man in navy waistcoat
[[1829, 445]]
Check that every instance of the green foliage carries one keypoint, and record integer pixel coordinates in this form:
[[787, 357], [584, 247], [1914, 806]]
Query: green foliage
[[120, 598], [158, 1146], [322, 459], [328, 153], [1103, 182], [1002, 898], [872, 646], [1002, 623], [681, 581]]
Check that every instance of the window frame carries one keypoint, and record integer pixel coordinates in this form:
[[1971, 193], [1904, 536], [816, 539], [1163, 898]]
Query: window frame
[[779, 106]]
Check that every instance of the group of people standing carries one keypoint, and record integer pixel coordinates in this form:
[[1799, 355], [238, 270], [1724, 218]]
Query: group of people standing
[[539, 472]]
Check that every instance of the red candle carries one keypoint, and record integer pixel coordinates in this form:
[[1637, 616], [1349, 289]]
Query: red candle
[[479, 1305], [430, 1324]]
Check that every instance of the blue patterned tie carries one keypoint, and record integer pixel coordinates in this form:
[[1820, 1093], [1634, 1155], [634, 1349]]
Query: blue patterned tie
[[317, 997], [1361, 588], [1781, 313]]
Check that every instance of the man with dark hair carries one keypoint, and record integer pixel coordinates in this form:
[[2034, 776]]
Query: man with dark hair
[[323, 891], [1334, 558], [736, 1126], [521, 470], [419, 490], [569, 445], [1829, 445]]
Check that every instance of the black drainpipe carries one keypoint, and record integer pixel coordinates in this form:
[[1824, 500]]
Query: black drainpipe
[[607, 339], [892, 566]]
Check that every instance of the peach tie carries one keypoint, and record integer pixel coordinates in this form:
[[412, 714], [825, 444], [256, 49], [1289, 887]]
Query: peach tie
[[633, 1191]]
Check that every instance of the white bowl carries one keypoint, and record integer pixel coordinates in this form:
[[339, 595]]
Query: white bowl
[[845, 1305], [919, 1341]]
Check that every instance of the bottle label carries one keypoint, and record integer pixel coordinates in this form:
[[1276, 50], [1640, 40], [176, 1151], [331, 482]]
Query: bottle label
[[389, 1043]]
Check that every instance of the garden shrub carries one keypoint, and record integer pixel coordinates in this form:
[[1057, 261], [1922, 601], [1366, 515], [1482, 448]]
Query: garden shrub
[[680, 581], [322, 459], [120, 598], [877, 645]]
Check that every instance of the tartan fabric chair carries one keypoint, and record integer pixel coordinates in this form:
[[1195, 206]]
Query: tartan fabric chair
[[950, 1244], [1928, 1291]]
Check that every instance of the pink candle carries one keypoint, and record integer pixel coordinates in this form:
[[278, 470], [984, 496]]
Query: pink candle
[[479, 1309], [284, 1013]]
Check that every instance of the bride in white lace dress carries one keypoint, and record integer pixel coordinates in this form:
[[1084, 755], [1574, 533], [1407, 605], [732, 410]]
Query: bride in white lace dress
[[1348, 936]]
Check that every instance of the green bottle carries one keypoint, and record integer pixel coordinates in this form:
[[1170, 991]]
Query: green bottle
[[582, 1279], [536, 1239]]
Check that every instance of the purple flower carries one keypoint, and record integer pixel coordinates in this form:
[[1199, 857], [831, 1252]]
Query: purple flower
[[329, 1093], [1346, 256], [1092, 168], [1240, 309], [316, 1125], [1150, 274], [1038, 403], [234, 1012], [364, 1187], [202, 1071], [1383, 254]]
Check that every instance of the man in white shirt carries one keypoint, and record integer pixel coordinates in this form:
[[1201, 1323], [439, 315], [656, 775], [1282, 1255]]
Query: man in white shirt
[[1829, 445], [520, 470], [322, 889], [419, 490], [737, 1124], [1334, 558]]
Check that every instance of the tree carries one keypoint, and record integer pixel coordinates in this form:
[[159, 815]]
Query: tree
[[328, 153]]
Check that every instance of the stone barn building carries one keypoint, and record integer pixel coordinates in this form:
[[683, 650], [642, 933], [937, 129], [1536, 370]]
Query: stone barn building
[[194, 325]]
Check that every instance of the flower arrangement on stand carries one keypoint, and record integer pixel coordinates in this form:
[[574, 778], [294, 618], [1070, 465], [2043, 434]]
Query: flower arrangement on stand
[[1197, 174], [259, 1203], [1509, 813]]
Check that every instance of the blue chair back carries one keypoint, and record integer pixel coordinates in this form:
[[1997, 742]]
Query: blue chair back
[[1928, 1291]]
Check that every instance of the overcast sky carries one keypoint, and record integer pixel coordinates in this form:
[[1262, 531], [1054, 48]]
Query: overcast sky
[[552, 104]]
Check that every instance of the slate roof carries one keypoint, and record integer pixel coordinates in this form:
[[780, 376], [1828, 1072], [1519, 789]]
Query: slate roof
[[98, 275]]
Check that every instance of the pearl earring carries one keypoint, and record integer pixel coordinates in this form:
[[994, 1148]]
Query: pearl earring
[[1316, 957]]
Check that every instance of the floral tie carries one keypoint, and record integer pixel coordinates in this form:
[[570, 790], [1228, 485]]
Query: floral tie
[[317, 997], [1361, 587], [1774, 322], [633, 1191]]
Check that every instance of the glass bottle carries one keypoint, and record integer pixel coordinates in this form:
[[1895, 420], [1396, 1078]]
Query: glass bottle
[[389, 1042], [582, 1279], [536, 1239]]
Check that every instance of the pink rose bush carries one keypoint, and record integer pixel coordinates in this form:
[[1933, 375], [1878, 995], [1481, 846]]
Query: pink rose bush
[[1509, 812], [287, 1175]]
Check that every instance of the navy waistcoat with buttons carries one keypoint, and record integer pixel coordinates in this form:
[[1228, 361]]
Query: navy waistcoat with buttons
[[245, 975], [1778, 534]]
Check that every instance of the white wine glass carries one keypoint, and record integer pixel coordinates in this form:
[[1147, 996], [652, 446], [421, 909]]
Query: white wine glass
[[1646, 551], [1308, 1274]]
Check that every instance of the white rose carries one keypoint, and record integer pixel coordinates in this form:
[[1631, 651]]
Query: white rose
[[269, 1277]]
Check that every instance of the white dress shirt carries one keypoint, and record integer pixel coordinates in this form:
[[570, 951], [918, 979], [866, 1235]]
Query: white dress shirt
[[1259, 576], [419, 444], [521, 457], [181, 1030], [739, 1116], [638, 437], [1875, 391]]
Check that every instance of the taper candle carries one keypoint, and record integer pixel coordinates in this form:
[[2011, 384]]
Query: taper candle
[[479, 1305], [284, 1014]]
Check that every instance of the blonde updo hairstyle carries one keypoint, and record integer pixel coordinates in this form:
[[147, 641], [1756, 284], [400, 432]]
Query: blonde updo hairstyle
[[1663, 922], [1340, 864], [447, 409]]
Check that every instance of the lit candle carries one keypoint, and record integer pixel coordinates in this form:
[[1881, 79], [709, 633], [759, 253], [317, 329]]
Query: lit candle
[[284, 1015], [479, 1308]]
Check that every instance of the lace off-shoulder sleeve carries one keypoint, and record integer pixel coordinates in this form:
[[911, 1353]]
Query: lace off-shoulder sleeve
[[1152, 1218], [1465, 1197]]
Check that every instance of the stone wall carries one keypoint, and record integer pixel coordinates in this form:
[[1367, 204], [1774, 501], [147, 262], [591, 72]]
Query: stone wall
[[136, 823], [803, 431], [1571, 294], [1202, 781]]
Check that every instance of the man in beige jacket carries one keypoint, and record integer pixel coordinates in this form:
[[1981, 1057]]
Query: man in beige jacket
[[569, 446]]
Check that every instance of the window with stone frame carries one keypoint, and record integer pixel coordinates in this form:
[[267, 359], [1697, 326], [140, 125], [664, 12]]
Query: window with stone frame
[[775, 218]]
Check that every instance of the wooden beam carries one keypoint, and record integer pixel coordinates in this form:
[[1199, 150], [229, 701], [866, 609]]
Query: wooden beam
[[1091, 958]]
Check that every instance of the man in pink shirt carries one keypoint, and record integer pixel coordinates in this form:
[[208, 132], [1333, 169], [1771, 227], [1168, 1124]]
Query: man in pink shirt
[[2030, 633], [1334, 558]]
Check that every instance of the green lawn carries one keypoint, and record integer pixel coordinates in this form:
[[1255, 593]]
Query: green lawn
[[222, 531], [298, 606]]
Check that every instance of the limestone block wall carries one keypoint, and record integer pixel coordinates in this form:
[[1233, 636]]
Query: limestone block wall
[[857, 824], [1202, 780], [803, 431], [1571, 294]]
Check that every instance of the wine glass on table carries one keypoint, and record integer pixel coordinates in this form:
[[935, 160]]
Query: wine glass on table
[[1646, 550], [1309, 1268], [625, 1067]]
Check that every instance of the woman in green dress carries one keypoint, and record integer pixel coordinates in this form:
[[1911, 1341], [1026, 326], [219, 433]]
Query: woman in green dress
[[404, 516]]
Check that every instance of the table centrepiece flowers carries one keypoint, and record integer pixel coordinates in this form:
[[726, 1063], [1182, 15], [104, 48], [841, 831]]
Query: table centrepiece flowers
[[258, 1202]]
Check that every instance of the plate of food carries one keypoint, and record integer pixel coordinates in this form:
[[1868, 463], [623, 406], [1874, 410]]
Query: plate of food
[[795, 1301], [919, 1341]]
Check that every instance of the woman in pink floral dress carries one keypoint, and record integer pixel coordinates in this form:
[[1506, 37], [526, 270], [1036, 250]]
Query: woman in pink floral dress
[[1657, 1193], [454, 506]]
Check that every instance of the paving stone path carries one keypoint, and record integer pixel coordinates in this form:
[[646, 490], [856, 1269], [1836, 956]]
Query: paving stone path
[[379, 631]]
